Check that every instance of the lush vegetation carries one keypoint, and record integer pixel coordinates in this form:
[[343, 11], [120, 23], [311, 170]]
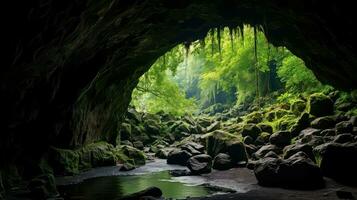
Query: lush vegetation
[[229, 66]]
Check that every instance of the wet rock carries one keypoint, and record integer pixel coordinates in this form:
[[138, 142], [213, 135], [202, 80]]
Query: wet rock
[[134, 115], [216, 141], [338, 161], [323, 122], [344, 138], [297, 172], [295, 148], [222, 162], [200, 164], [180, 172], [353, 120], [127, 167], [135, 154], [302, 123], [163, 153], [214, 126], [178, 157], [265, 149], [149, 193], [320, 105], [125, 131], [280, 138], [345, 106], [64, 161], [344, 127], [251, 130]]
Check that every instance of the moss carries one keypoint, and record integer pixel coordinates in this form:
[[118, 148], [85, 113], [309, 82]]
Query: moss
[[125, 153], [298, 106], [320, 105], [64, 161], [216, 141], [101, 154], [254, 117]]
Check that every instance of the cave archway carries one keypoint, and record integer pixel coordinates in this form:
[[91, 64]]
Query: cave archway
[[60, 50]]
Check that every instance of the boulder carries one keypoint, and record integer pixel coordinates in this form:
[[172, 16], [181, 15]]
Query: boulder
[[64, 161], [320, 105], [178, 157], [248, 140], [328, 132], [265, 149], [323, 122], [344, 138], [295, 148], [251, 130], [263, 138], [280, 138], [344, 127], [298, 106], [222, 162], [180, 172], [214, 126], [216, 141], [127, 167], [271, 154], [338, 161], [297, 172], [43, 187], [353, 120], [302, 122], [200, 164], [135, 154], [236, 150], [163, 153], [149, 193], [125, 131]]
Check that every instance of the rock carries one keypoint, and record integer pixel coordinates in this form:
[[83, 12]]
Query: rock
[[178, 157], [144, 194], [302, 123], [43, 187], [163, 153], [251, 130], [265, 128], [251, 164], [216, 141], [125, 131], [353, 120], [323, 122], [248, 140], [265, 149], [297, 172], [271, 154], [139, 145], [236, 150], [263, 138], [338, 161], [135, 154], [134, 115], [320, 105], [344, 194], [200, 164], [64, 161], [127, 167], [280, 138], [126, 142], [197, 146], [344, 138], [180, 172], [251, 149], [328, 132], [254, 117], [295, 148], [214, 126], [298, 106], [308, 132], [344, 127], [222, 162], [345, 106]]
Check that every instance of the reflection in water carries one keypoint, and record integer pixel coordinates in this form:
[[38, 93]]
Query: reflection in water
[[114, 187]]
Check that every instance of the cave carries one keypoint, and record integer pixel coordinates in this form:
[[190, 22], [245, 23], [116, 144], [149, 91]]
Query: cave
[[70, 66]]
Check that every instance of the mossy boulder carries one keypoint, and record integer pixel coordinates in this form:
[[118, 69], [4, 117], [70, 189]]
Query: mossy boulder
[[102, 154], [323, 122], [298, 106], [302, 122], [265, 127], [216, 142], [280, 138], [64, 161], [136, 155], [320, 105], [263, 138], [251, 130], [254, 117], [125, 131]]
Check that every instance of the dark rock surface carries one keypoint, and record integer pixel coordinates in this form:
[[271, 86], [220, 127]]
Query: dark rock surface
[[200, 164]]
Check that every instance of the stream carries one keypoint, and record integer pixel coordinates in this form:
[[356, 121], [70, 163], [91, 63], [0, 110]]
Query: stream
[[110, 183]]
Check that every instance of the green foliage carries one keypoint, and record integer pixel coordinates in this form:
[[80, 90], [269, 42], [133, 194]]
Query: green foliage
[[225, 68]]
